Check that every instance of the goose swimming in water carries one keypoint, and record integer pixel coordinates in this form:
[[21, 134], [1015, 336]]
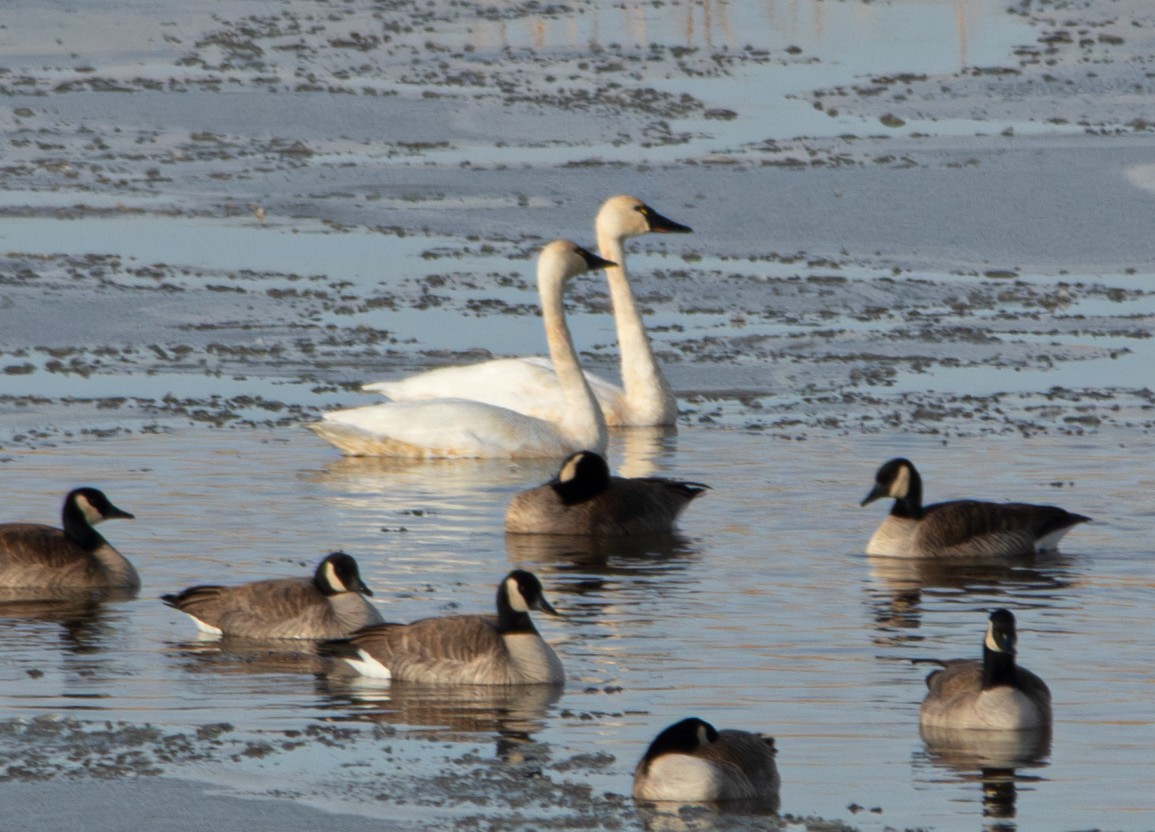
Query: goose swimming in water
[[959, 528], [502, 649], [436, 428], [330, 604], [530, 385], [693, 762], [74, 558], [584, 499], [993, 693]]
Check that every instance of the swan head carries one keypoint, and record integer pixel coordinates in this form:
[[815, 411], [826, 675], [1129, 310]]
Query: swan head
[[627, 216], [562, 259]]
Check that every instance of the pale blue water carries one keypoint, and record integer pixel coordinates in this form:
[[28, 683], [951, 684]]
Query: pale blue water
[[766, 615]]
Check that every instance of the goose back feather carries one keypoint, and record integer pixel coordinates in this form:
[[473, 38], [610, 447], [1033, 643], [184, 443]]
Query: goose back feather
[[331, 604], [502, 649], [584, 499], [691, 762]]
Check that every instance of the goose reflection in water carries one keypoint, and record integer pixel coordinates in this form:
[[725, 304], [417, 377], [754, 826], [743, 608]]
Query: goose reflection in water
[[898, 586], [84, 618], [511, 714], [238, 656], [992, 758]]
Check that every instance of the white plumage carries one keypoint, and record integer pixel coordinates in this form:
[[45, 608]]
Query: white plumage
[[456, 427], [530, 385]]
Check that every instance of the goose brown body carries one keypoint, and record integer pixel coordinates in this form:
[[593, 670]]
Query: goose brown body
[[691, 761], [993, 693], [959, 528], [584, 499], [502, 649], [46, 559], [328, 605]]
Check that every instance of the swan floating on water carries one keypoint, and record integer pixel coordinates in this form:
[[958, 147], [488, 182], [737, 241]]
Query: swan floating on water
[[457, 427], [530, 385]]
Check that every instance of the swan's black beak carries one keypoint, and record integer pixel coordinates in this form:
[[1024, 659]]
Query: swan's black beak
[[663, 225], [594, 261]]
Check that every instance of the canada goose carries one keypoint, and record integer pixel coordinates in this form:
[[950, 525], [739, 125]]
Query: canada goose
[[584, 499], [959, 528], [530, 385], [505, 649], [330, 604], [461, 428], [993, 693], [73, 558], [692, 762]]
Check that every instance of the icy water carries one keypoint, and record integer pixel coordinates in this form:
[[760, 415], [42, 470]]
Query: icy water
[[763, 614], [922, 228]]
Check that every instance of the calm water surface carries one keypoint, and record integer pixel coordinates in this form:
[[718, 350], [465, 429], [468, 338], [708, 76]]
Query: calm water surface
[[763, 614]]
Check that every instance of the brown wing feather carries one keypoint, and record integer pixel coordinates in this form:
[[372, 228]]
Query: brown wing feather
[[750, 760], [277, 608], [450, 647], [647, 505], [32, 554], [989, 528]]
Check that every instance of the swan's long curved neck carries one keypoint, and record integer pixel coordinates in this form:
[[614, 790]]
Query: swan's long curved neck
[[649, 397], [583, 420]]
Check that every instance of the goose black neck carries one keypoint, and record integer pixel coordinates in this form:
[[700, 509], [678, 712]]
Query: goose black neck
[[998, 669], [78, 529], [510, 620]]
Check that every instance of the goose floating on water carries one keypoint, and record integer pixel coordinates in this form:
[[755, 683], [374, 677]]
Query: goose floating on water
[[74, 558], [693, 762], [530, 385], [584, 499], [988, 694], [502, 649], [959, 528], [456, 427], [330, 604]]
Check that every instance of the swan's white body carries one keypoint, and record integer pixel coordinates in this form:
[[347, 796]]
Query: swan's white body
[[530, 385], [458, 427]]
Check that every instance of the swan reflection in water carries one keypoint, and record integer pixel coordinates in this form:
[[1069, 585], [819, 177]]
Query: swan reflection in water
[[511, 714], [898, 586], [992, 758]]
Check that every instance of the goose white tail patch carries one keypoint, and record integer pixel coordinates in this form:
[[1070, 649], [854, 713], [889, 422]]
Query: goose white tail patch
[[1050, 542], [369, 667], [207, 629]]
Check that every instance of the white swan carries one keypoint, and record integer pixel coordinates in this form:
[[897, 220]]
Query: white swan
[[453, 427], [530, 386]]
